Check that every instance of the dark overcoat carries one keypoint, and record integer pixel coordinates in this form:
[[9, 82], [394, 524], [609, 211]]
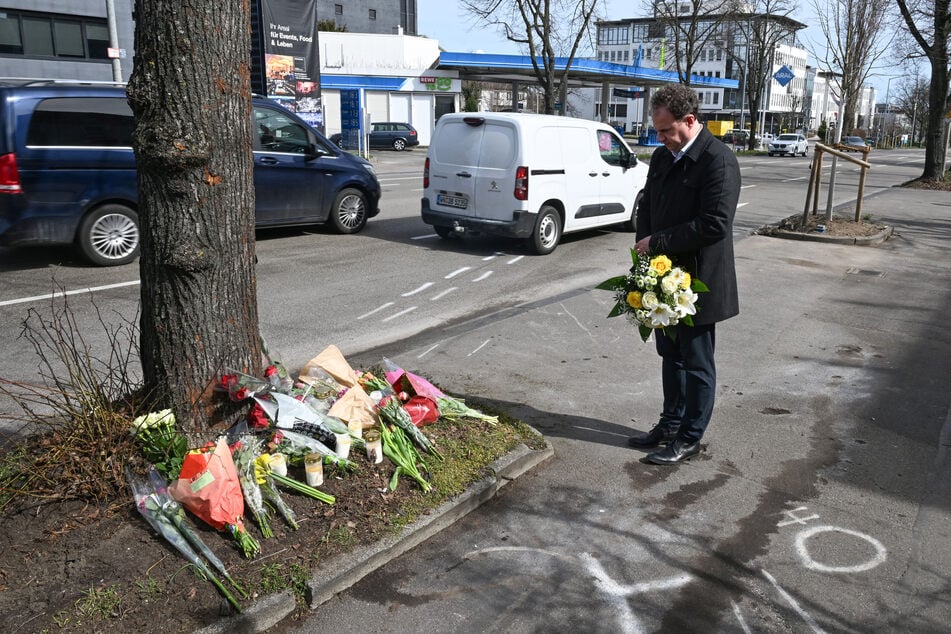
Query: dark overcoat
[[687, 210]]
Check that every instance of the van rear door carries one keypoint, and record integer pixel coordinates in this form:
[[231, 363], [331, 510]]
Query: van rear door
[[472, 171]]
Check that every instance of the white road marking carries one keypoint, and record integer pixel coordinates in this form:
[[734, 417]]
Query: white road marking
[[515, 259], [91, 289], [483, 276], [795, 605], [444, 293], [375, 310], [399, 314], [417, 290], [457, 272], [428, 235], [427, 351], [484, 344]]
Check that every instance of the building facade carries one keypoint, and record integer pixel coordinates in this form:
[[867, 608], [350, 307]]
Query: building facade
[[386, 17], [648, 42], [65, 39]]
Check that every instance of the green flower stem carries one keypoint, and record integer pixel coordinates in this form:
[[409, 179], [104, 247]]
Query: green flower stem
[[300, 487]]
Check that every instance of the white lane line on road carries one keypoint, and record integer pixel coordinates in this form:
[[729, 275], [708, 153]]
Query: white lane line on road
[[427, 351], [739, 617], [399, 314], [746, 186], [515, 259], [489, 258], [483, 276], [741, 205], [428, 235], [484, 344], [417, 290], [789, 180], [457, 272], [91, 289], [375, 310], [444, 293]]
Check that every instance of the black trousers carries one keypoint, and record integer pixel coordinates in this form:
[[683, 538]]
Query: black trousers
[[689, 376]]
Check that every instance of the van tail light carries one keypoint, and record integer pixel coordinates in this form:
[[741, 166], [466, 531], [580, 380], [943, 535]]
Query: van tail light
[[521, 183], [9, 175], [426, 174]]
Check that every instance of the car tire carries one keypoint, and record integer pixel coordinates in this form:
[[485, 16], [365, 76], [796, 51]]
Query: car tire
[[770, 153], [446, 233], [109, 235], [399, 145], [631, 225], [547, 231], [349, 211]]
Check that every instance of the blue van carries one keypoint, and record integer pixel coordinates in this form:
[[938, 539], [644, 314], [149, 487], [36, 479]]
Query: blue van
[[68, 176]]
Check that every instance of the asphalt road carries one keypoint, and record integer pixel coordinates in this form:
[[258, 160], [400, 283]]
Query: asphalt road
[[820, 503]]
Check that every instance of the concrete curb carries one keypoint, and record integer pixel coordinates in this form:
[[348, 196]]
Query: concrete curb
[[862, 241], [336, 575]]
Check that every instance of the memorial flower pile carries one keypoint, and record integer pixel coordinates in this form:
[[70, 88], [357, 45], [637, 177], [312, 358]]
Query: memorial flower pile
[[655, 294]]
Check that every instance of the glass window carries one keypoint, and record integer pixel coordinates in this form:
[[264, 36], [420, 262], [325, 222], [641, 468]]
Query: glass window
[[373, 14], [97, 41], [338, 9], [68, 38], [10, 41], [81, 122], [274, 131], [612, 152], [37, 37]]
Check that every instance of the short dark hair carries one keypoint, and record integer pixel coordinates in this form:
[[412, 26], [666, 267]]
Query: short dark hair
[[679, 100]]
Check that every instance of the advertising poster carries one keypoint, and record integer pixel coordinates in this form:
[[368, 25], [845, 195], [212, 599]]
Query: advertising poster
[[292, 58]]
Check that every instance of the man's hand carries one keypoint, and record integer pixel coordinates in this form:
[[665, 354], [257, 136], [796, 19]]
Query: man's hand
[[643, 245]]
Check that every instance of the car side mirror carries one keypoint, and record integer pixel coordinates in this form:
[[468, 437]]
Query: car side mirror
[[313, 151]]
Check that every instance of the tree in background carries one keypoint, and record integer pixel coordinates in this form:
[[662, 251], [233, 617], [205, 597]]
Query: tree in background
[[929, 23], [692, 28], [857, 34], [190, 91], [470, 96], [752, 39], [911, 98], [547, 29]]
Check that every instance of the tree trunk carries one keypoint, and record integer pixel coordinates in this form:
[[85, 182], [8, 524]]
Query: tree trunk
[[936, 145], [191, 94]]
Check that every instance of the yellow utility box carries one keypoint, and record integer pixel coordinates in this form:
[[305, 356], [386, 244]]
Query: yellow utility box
[[719, 128]]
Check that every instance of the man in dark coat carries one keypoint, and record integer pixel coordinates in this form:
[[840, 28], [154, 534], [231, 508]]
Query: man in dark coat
[[686, 213]]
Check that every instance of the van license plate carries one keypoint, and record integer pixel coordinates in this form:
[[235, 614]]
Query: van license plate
[[452, 201]]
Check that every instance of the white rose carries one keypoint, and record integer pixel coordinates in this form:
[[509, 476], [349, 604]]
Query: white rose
[[649, 300]]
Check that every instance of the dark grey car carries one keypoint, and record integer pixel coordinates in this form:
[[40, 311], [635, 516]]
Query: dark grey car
[[385, 134]]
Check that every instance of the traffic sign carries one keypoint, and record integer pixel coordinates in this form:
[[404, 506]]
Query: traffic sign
[[784, 75]]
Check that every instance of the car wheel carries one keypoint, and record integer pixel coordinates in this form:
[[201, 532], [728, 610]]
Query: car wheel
[[444, 232], [349, 213], [399, 145], [547, 231], [631, 225], [109, 235]]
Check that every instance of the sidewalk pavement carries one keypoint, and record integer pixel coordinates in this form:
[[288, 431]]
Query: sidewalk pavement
[[822, 499]]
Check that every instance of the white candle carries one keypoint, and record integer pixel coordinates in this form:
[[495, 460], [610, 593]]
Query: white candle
[[278, 464], [343, 445], [374, 445], [314, 469], [355, 428]]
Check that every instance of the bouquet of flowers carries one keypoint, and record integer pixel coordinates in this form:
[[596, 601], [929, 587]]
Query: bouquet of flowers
[[161, 442], [655, 294]]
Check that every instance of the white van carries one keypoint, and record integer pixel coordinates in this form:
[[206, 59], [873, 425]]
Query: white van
[[528, 176]]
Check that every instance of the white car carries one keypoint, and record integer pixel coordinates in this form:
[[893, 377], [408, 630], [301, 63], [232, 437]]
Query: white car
[[791, 144]]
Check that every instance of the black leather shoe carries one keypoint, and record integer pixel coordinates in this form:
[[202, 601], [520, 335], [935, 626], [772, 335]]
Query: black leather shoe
[[660, 434], [677, 451]]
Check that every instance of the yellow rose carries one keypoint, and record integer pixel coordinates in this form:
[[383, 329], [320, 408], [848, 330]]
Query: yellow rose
[[661, 264], [634, 299], [685, 284]]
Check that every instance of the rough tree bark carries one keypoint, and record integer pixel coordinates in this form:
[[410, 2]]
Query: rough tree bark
[[190, 91]]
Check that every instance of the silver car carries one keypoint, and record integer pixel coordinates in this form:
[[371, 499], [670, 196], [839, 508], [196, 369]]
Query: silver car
[[791, 144]]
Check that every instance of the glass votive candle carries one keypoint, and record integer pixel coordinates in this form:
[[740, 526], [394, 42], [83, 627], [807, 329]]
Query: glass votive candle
[[355, 428], [314, 469], [278, 464], [343, 445], [374, 444]]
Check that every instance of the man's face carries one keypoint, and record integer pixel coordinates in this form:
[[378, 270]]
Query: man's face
[[674, 133]]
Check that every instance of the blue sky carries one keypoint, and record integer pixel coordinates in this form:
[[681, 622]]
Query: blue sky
[[445, 21]]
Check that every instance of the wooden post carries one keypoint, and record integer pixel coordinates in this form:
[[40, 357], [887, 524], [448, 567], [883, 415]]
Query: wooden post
[[862, 175], [815, 194]]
